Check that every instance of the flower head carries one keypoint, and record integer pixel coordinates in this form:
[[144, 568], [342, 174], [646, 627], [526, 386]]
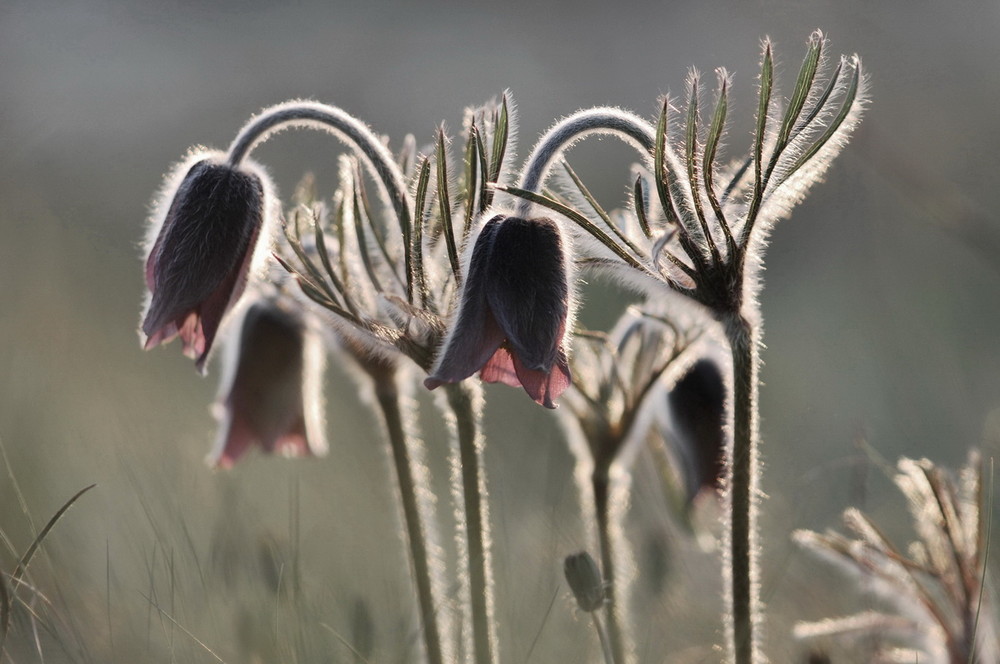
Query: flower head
[[201, 256], [511, 320], [272, 388]]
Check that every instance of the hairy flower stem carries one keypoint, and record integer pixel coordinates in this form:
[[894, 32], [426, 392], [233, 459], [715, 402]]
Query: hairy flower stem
[[609, 657], [387, 394], [350, 130], [614, 121], [465, 400], [744, 342], [601, 485]]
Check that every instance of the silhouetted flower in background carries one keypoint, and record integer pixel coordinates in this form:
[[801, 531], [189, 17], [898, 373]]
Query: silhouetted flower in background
[[272, 388], [697, 407], [202, 251], [511, 320]]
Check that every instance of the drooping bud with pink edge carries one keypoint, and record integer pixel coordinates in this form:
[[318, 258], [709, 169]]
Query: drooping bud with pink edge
[[202, 247], [512, 317], [271, 394]]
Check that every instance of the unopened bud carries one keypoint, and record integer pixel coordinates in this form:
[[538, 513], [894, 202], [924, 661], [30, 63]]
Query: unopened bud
[[584, 578]]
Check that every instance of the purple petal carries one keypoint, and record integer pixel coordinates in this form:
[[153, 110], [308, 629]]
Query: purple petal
[[697, 403], [476, 335], [528, 291], [265, 405], [544, 386], [500, 369], [292, 443], [220, 302], [239, 439]]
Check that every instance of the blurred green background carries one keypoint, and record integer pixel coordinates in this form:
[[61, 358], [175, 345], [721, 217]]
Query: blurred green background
[[879, 306]]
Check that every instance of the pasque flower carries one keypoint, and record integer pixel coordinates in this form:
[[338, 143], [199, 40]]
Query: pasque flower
[[271, 388], [202, 250], [700, 228], [511, 321]]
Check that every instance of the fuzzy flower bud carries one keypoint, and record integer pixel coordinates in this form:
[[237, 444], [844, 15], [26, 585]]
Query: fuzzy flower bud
[[584, 578]]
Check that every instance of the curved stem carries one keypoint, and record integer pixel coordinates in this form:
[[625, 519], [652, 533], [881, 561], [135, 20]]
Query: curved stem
[[387, 394], [465, 401], [743, 473], [349, 130], [601, 120]]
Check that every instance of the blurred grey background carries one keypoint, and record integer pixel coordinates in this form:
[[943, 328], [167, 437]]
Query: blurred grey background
[[880, 298]]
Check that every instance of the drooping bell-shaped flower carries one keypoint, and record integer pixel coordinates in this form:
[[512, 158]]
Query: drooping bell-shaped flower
[[201, 251], [272, 384], [511, 320], [697, 406]]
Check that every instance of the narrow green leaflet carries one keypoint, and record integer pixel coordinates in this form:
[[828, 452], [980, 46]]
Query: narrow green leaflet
[[423, 181], [444, 201]]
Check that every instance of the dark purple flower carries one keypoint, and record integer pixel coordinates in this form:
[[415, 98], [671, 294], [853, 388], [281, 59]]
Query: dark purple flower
[[511, 320], [201, 256], [697, 403], [272, 387]]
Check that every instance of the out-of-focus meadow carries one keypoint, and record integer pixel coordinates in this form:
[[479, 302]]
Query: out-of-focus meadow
[[880, 310]]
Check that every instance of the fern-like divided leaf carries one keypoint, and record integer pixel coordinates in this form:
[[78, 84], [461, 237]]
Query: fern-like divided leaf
[[935, 602]]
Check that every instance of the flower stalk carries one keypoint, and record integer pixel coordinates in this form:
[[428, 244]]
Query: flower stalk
[[390, 320], [469, 480], [620, 381], [742, 479], [405, 454], [616, 640], [590, 590]]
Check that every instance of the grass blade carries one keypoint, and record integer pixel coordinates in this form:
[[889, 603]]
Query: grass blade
[[187, 632], [22, 565]]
